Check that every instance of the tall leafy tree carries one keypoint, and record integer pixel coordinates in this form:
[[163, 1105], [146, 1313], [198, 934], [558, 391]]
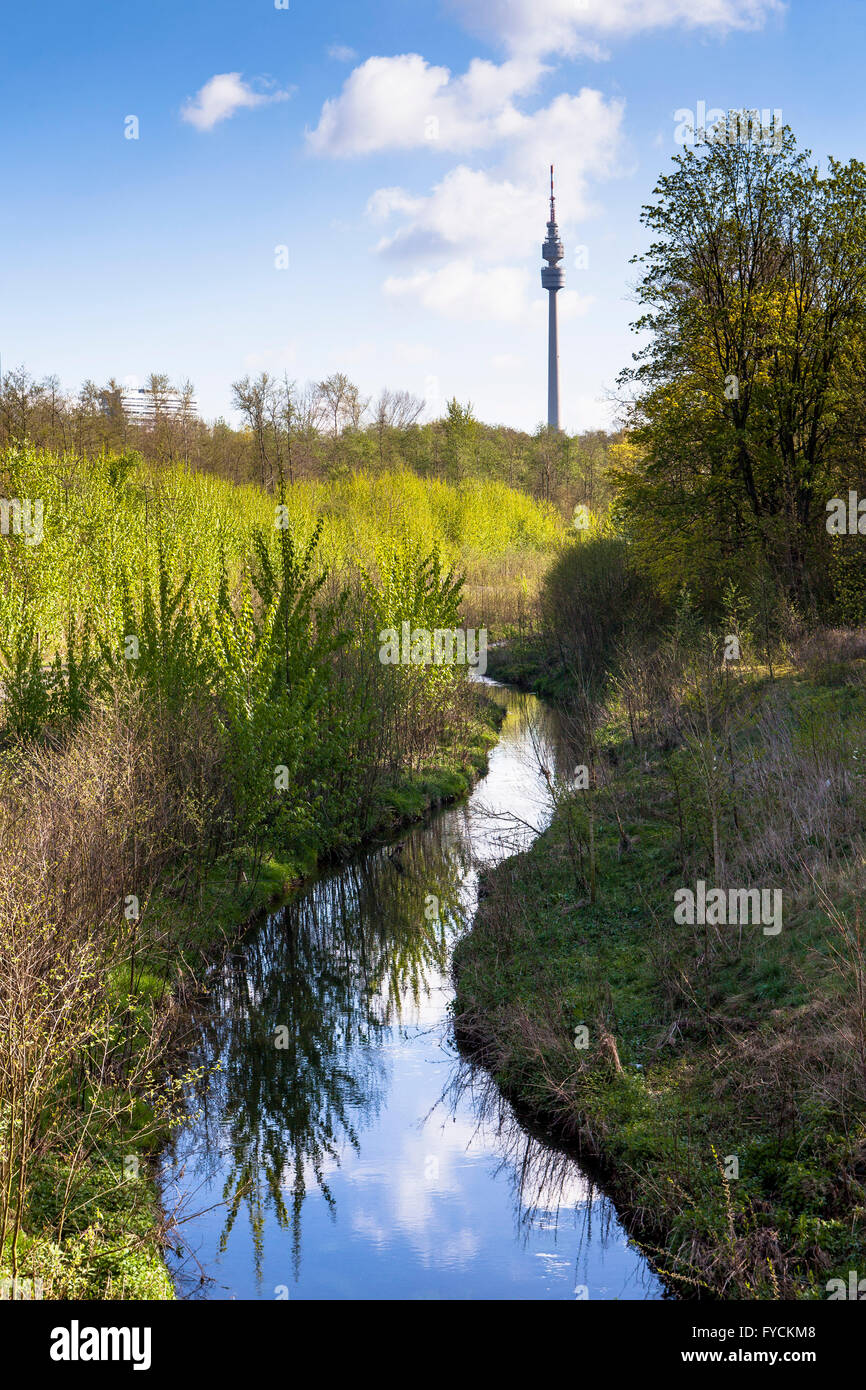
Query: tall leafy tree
[[746, 402]]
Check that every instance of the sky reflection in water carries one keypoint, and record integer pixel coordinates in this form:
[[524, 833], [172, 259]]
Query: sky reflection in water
[[365, 1159]]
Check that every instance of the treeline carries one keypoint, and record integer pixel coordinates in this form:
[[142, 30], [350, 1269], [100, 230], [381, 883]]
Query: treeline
[[320, 431]]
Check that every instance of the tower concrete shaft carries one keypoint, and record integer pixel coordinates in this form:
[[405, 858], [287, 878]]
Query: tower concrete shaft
[[553, 279]]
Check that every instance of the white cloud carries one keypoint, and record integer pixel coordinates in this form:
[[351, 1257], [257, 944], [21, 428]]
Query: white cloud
[[462, 232], [468, 210], [341, 53], [575, 26], [460, 290], [463, 290], [489, 215], [386, 201], [404, 103], [222, 96]]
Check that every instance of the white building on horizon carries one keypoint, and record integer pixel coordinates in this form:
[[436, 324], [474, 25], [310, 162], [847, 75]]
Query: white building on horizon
[[145, 407]]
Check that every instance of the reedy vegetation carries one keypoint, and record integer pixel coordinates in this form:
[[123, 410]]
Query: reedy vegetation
[[192, 697]]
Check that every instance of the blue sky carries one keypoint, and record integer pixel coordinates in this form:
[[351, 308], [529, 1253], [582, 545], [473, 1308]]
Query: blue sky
[[398, 150]]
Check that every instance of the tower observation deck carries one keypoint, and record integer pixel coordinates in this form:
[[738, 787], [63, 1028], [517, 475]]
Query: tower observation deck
[[553, 279]]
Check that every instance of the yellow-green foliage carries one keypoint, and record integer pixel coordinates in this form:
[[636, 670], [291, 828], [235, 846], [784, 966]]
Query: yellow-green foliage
[[103, 517]]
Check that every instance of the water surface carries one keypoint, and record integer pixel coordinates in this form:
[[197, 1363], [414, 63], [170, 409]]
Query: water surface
[[337, 1146]]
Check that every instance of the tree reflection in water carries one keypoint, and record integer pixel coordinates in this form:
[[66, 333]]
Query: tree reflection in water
[[548, 1184], [355, 972], [334, 969]]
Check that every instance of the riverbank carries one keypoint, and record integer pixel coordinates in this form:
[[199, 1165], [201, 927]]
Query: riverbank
[[105, 1241], [714, 1074], [296, 1160], [523, 663]]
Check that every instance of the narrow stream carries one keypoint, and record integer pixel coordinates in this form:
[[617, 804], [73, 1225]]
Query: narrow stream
[[338, 1147]]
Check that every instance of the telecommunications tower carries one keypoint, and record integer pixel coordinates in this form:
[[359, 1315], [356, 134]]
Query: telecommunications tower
[[553, 279]]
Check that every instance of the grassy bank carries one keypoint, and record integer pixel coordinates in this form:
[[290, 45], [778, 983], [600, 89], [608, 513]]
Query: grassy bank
[[522, 661], [93, 1227], [720, 1084]]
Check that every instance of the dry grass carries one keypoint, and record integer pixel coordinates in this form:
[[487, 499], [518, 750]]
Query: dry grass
[[85, 1013]]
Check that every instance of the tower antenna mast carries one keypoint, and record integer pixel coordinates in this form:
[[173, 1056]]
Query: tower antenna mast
[[553, 279]]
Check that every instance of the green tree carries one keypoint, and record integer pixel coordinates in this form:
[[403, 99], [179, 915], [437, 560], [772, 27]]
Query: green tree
[[747, 397], [461, 438]]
